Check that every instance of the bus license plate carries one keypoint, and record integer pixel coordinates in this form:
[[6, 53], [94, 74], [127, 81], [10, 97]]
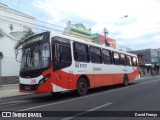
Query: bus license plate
[[27, 88]]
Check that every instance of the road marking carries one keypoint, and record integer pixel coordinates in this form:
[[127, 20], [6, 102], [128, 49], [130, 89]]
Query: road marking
[[87, 111], [87, 96]]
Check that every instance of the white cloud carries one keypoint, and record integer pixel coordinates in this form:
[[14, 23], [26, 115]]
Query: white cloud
[[143, 17]]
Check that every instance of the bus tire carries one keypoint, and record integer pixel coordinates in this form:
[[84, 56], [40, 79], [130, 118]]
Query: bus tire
[[82, 86], [125, 80]]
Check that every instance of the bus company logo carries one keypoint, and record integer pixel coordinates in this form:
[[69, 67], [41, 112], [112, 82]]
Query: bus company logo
[[33, 81], [6, 114], [97, 69]]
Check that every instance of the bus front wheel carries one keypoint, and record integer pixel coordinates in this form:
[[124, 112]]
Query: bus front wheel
[[82, 86]]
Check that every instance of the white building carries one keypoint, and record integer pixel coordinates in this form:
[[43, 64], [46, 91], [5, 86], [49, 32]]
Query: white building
[[13, 25]]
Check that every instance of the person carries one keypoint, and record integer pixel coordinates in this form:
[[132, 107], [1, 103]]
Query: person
[[152, 72]]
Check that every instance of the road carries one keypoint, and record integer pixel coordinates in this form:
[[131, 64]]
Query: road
[[140, 95]]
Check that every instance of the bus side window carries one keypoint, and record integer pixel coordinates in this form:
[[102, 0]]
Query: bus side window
[[134, 61], [129, 61], [64, 54], [61, 53], [107, 58], [96, 56], [123, 59], [116, 58], [81, 53]]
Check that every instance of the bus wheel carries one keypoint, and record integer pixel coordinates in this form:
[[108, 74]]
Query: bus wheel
[[82, 86], [126, 80]]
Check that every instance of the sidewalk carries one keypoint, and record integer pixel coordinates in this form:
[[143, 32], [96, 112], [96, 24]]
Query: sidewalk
[[10, 90]]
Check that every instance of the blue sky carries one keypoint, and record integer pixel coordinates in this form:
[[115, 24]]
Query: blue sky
[[140, 30]]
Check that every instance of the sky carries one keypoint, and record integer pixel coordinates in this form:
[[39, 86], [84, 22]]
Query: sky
[[140, 30]]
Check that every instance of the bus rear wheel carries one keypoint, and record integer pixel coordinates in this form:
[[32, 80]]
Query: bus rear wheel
[[82, 86]]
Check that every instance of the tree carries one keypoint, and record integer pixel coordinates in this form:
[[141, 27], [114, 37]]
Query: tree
[[19, 43]]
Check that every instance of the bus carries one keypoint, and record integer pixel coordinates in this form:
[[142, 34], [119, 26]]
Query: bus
[[54, 63]]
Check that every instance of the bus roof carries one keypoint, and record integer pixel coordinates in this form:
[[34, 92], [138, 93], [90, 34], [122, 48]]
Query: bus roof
[[89, 43]]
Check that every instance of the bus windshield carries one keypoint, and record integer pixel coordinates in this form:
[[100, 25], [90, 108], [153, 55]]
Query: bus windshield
[[35, 57]]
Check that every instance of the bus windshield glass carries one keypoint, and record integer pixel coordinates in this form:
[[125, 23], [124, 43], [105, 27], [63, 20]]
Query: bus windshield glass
[[35, 57]]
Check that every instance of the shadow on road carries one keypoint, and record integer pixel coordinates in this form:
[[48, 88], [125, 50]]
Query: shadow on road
[[42, 98]]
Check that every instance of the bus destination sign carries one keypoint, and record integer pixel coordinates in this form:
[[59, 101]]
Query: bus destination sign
[[34, 39]]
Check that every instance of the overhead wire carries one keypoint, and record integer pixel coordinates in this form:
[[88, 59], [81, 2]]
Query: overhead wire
[[38, 21], [32, 17], [46, 28]]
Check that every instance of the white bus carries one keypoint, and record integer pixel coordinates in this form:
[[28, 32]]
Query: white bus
[[53, 62]]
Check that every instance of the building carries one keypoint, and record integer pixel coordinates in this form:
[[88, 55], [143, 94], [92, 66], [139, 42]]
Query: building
[[78, 31], [14, 25], [149, 60], [100, 39], [150, 56]]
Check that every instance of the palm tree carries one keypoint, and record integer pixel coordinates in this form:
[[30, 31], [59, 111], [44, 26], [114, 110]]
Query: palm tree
[[19, 43]]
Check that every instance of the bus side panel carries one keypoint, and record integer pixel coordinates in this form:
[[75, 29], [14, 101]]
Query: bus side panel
[[113, 74], [73, 78], [91, 80], [134, 75], [73, 81], [45, 87], [111, 79], [108, 79], [98, 80]]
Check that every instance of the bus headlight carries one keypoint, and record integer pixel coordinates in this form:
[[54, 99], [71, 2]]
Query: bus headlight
[[44, 79], [47, 77], [41, 82]]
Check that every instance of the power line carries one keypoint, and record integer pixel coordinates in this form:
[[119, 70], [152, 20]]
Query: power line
[[35, 20], [19, 24], [27, 22], [38, 21], [26, 6]]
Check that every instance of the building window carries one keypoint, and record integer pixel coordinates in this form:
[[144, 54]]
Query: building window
[[1, 55], [11, 27], [96, 56]]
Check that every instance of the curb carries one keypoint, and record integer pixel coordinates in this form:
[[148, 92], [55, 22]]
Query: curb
[[14, 96], [7, 85], [148, 77]]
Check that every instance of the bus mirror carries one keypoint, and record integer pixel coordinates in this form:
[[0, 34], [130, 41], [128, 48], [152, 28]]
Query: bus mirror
[[18, 55], [45, 53]]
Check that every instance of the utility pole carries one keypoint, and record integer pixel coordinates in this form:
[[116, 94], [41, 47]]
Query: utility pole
[[106, 35]]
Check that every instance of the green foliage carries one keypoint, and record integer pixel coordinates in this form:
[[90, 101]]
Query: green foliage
[[28, 34]]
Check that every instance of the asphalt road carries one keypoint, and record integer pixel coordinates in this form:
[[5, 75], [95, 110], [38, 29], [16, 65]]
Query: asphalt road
[[140, 95]]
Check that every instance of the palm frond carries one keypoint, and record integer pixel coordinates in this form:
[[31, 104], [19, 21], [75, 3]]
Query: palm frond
[[19, 43]]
